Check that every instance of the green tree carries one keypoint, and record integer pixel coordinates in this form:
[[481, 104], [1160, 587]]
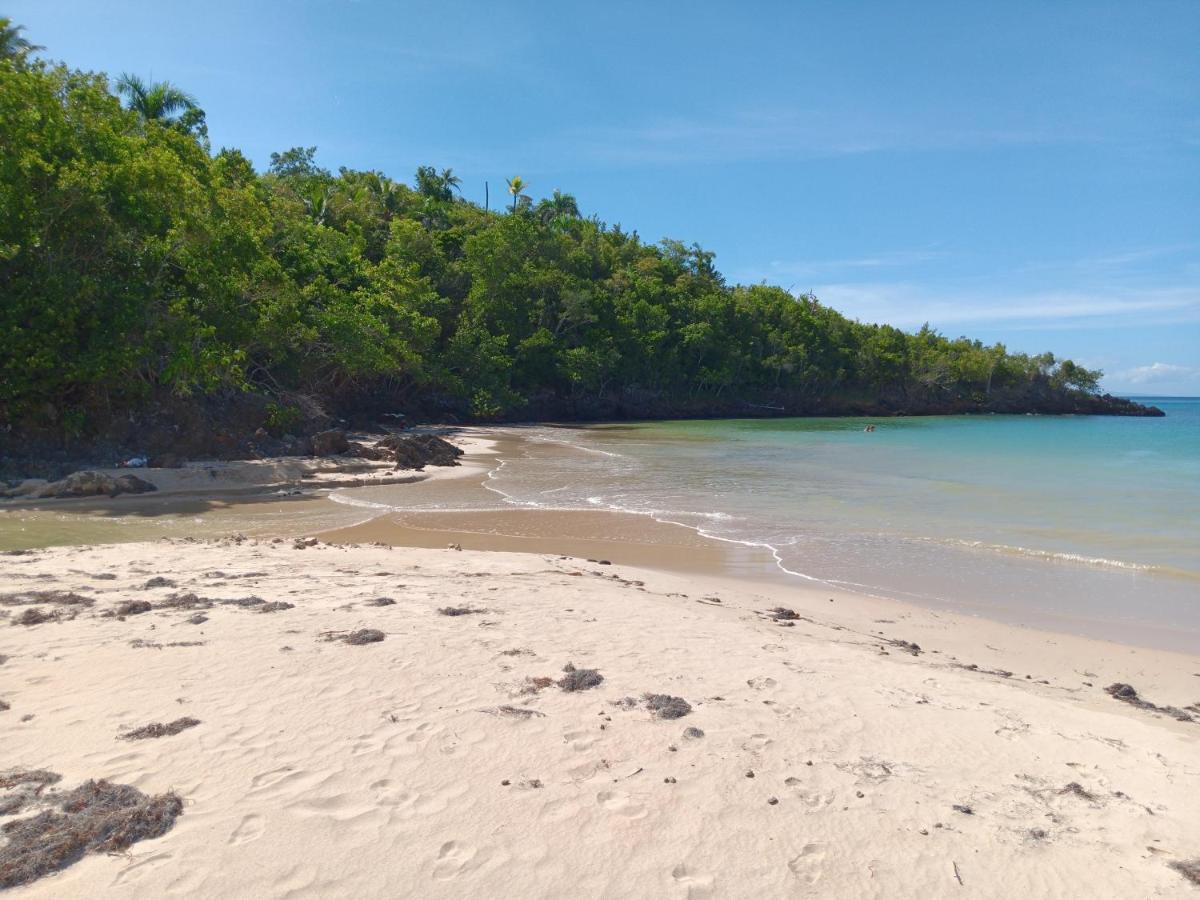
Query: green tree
[[13, 45], [517, 186]]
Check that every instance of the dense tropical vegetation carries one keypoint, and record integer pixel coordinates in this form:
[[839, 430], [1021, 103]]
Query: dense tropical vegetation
[[139, 267]]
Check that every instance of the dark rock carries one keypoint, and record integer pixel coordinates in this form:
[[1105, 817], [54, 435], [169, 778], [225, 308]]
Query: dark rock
[[329, 443], [363, 451], [415, 451], [93, 484]]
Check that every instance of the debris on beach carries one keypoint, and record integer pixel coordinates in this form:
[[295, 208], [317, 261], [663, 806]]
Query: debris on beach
[[460, 611], [579, 679], [158, 582], [276, 606], [158, 729], [96, 817], [364, 636], [380, 601], [1189, 869], [131, 608], [664, 706], [1126, 694]]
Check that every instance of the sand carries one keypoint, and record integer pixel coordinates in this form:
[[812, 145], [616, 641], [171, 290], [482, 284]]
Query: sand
[[833, 761]]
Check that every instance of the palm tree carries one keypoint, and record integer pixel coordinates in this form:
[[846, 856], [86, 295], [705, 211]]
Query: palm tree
[[517, 186], [437, 186], [12, 45], [451, 181], [316, 201], [558, 206], [158, 101]]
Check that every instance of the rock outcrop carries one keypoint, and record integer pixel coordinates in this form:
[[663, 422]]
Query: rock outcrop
[[415, 451], [90, 484]]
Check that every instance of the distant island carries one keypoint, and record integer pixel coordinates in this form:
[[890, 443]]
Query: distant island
[[158, 293]]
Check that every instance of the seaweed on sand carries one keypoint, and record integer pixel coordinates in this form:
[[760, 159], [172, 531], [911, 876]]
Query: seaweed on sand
[[460, 611], [364, 636], [664, 706], [96, 817], [1189, 869], [579, 679], [158, 729], [276, 606], [132, 608]]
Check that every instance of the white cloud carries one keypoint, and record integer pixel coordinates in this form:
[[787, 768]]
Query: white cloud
[[757, 134], [907, 305], [1156, 373]]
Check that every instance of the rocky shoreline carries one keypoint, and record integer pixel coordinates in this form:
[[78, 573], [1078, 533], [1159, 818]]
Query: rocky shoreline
[[397, 453]]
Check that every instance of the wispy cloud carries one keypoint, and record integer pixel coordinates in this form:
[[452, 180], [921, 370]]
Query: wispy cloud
[[908, 305], [748, 135], [824, 268], [1157, 373]]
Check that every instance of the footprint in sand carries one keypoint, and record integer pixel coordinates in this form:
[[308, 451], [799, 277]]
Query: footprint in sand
[[698, 884], [251, 828], [456, 858], [622, 804], [809, 864], [579, 740], [265, 780], [762, 683], [756, 743], [136, 870]]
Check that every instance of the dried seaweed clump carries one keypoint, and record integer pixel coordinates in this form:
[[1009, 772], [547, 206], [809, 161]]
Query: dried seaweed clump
[[276, 606], [58, 598], [96, 817], [579, 679], [381, 601], [1127, 694], [1189, 869], [460, 611], [35, 615], [132, 608], [364, 636], [664, 706], [28, 785], [157, 729], [158, 582], [783, 614], [186, 600], [5, 706]]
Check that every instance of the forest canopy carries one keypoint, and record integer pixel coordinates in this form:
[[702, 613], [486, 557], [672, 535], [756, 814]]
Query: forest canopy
[[137, 264]]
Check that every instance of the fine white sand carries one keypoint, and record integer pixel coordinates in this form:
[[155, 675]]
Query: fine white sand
[[322, 769]]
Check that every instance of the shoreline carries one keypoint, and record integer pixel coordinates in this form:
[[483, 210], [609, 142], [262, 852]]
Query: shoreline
[[303, 490]]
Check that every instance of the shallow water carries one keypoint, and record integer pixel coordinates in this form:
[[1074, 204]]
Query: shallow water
[[1083, 523]]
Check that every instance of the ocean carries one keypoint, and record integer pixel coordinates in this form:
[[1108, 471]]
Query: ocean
[[1086, 524]]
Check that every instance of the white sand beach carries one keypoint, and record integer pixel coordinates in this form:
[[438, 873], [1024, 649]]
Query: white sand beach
[[834, 760]]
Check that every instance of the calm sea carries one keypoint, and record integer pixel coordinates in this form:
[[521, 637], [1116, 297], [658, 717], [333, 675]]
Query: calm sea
[[1088, 524]]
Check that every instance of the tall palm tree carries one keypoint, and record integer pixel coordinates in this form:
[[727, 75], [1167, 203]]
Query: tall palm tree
[[158, 101], [517, 187], [451, 182], [558, 206], [12, 44]]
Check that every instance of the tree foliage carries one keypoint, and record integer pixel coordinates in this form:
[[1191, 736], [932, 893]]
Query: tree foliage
[[135, 262]]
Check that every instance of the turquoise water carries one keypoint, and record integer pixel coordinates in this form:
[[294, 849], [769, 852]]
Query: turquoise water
[[1086, 523]]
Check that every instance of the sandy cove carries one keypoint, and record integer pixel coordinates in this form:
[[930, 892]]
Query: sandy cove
[[833, 762]]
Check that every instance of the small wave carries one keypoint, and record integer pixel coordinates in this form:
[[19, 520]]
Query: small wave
[[1051, 555]]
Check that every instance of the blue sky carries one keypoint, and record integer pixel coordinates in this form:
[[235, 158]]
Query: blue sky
[[1022, 172]]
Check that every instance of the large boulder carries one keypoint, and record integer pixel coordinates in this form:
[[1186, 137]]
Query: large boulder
[[415, 451], [93, 484], [329, 443]]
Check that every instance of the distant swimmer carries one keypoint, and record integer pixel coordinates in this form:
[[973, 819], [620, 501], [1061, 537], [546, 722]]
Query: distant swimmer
[[869, 428]]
